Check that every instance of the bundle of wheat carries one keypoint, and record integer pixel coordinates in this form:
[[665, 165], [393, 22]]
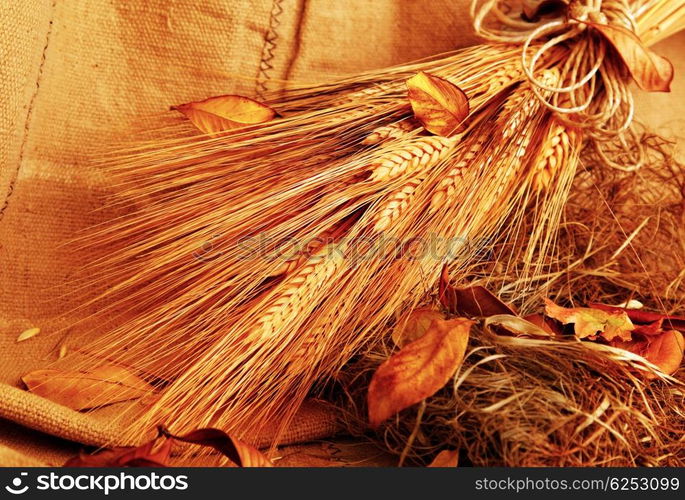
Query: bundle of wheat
[[235, 332], [520, 401]]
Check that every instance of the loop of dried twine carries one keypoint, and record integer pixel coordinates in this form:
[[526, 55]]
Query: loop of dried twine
[[592, 93]]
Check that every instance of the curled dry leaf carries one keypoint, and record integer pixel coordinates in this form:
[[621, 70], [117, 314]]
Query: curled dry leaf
[[646, 317], [226, 112], [84, 390], [650, 329], [589, 322], [516, 325], [418, 370], [666, 351], [650, 71], [473, 301], [415, 325], [439, 105], [154, 453], [551, 326], [478, 301], [240, 453], [27, 334], [447, 294], [446, 458]]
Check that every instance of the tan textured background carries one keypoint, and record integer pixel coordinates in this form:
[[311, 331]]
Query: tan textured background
[[78, 75]]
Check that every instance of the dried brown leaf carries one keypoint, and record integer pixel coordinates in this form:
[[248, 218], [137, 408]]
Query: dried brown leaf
[[551, 326], [226, 112], [478, 301], [415, 325], [666, 351], [239, 452], [590, 322], [439, 105], [516, 325], [446, 458], [418, 370], [84, 390], [473, 301], [646, 317], [650, 71]]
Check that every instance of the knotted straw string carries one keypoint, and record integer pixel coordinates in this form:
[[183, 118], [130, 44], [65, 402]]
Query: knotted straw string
[[593, 91]]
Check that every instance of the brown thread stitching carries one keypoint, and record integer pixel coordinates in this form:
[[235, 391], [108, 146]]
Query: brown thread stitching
[[270, 43], [29, 115]]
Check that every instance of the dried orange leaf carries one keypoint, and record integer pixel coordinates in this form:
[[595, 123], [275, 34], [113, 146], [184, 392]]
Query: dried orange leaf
[[666, 351], [226, 112], [439, 105], [587, 322], [646, 317], [650, 71], [447, 293], [239, 452], [419, 369], [27, 334], [415, 325], [549, 325], [516, 325], [472, 301], [478, 301], [446, 458], [83, 390]]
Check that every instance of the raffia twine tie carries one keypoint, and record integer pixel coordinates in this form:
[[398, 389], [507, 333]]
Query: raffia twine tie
[[593, 93]]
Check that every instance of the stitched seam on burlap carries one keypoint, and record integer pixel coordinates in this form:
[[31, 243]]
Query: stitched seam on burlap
[[268, 49], [29, 115], [295, 53]]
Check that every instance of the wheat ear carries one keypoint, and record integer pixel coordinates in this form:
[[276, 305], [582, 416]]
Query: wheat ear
[[310, 249], [396, 203], [518, 110], [418, 154], [298, 288], [446, 189], [389, 132], [504, 76], [518, 105], [556, 149]]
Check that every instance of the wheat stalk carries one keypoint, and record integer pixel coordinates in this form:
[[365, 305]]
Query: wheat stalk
[[415, 155], [517, 131], [397, 203], [390, 132], [302, 256], [556, 149], [299, 288], [519, 105], [446, 190], [504, 76]]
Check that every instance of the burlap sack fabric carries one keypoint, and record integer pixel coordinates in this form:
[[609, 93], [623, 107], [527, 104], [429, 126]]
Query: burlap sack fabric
[[79, 75]]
